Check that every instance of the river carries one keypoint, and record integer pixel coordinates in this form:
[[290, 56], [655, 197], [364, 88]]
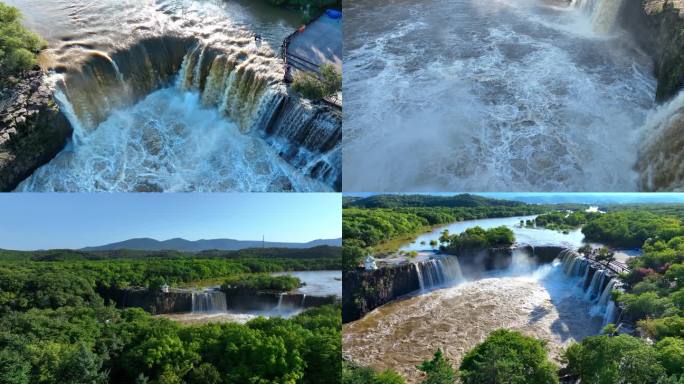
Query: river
[[400, 335], [523, 235], [500, 95], [460, 302], [209, 304], [319, 283]]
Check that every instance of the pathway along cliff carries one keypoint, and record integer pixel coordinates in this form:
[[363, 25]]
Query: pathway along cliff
[[176, 95], [523, 95]]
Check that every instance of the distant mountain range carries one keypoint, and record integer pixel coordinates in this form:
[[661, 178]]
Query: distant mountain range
[[178, 244], [424, 200], [371, 200]]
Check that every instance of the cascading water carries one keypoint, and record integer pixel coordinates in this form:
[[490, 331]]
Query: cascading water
[[211, 301], [179, 97], [210, 130], [525, 294], [598, 290], [438, 271], [603, 13]]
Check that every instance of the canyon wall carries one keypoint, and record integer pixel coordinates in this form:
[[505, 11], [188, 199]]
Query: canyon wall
[[364, 290], [657, 26], [33, 129]]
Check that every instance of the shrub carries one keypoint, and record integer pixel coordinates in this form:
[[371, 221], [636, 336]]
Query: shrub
[[362, 375], [18, 46], [672, 326], [438, 370], [313, 88], [646, 304], [670, 353]]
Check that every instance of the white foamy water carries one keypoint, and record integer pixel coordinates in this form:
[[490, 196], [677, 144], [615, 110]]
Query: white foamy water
[[538, 301], [167, 142], [504, 95]]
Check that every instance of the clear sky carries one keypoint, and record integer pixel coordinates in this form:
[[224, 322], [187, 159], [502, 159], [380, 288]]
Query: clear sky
[[53, 220]]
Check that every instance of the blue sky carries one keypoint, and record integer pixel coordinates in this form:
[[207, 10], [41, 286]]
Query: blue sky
[[53, 220]]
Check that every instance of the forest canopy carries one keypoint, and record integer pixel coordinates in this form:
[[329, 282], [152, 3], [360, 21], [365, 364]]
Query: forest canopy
[[56, 328]]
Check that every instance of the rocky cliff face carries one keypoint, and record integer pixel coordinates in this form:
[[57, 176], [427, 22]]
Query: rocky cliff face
[[667, 18], [363, 291], [657, 25], [32, 128], [153, 302], [658, 28]]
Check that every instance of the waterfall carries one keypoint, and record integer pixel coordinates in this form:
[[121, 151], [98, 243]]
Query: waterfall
[[438, 271], [598, 290], [244, 88], [209, 301], [280, 302], [609, 316], [606, 295], [604, 13]]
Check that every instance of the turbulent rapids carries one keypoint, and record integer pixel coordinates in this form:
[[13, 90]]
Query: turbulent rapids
[[182, 99], [539, 95], [460, 304]]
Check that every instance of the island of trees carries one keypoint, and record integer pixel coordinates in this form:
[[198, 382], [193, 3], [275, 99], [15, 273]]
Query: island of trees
[[376, 220], [653, 303]]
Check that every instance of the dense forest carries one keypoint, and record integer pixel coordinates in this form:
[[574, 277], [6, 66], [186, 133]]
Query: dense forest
[[562, 220], [653, 301], [56, 328], [368, 222], [631, 228]]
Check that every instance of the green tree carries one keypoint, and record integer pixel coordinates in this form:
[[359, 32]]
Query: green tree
[[18, 46], [508, 357], [670, 351], [205, 373], [605, 255], [362, 375], [614, 360], [438, 370], [14, 369]]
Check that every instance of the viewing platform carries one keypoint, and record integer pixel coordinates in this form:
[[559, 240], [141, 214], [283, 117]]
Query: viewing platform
[[315, 44]]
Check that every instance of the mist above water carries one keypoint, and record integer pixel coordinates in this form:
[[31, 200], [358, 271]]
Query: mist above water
[[545, 301], [167, 142], [491, 95]]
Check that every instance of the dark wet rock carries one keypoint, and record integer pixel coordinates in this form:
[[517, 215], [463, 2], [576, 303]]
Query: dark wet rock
[[364, 290], [658, 27], [32, 128], [153, 302]]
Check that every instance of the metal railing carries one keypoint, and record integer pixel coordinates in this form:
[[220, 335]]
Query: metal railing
[[615, 266]]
